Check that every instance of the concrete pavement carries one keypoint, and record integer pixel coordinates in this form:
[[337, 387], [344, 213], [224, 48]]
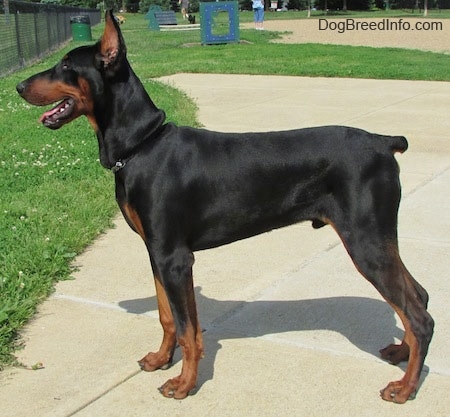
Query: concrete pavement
[[291, 327]]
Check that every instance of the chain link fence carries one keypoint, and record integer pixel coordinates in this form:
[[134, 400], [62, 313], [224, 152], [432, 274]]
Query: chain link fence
[[29, 31]]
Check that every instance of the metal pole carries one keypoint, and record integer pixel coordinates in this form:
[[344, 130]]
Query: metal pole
[[19, 48]]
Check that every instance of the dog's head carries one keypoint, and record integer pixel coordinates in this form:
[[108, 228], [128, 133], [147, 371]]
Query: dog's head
[[77, 82]]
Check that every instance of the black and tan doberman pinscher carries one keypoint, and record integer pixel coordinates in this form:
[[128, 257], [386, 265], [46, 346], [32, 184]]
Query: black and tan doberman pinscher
[[184, 189]]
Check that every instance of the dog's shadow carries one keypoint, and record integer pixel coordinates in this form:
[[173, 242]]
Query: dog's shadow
[[367, 323]]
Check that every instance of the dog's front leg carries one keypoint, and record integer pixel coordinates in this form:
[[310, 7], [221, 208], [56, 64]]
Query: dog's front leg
[[163, 358], [175, 289]]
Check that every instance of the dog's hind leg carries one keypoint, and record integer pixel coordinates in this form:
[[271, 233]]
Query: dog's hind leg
[[396, 353], [368, 228], [394, 283], [380, 263]]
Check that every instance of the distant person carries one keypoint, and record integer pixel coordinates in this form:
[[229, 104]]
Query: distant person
[[184, 8], [258, 9]]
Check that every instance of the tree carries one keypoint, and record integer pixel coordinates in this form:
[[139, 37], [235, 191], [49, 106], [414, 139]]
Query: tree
[[344, 4], [297, 4], [245, 4], [144, 5]]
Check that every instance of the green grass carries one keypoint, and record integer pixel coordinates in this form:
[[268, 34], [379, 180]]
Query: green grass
[[376, 13], [155, 54], [55, 197]]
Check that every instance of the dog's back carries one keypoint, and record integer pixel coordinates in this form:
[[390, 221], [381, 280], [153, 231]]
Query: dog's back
[[231, 186]]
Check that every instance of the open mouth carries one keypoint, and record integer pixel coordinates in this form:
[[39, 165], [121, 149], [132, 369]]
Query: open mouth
[[57, 116]]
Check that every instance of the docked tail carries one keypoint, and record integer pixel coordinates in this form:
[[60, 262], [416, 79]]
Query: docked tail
[[397, 143]]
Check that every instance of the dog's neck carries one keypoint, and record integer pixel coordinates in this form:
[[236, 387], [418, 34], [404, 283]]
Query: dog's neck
[[126, 118]]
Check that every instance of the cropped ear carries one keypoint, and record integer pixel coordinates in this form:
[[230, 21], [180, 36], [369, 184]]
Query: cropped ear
[[112, 46]]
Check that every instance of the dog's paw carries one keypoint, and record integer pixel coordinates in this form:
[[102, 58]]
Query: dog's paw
[[177, 388], [153, 361], [395, 354], [398, 392]]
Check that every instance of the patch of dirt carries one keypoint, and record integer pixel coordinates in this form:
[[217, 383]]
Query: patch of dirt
[[412, 33]]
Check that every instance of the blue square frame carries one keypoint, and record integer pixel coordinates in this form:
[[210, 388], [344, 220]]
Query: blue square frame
[[207, 12]]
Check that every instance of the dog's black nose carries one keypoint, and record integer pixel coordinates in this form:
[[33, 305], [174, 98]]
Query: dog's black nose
[[20, 88]]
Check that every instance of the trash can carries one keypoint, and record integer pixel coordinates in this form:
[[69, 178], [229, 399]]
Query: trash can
[[81, 28]]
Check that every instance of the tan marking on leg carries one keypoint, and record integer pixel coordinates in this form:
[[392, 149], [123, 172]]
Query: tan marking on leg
[[191, 343], [180, 386], [401, 391], [134, 219], [163, 358]]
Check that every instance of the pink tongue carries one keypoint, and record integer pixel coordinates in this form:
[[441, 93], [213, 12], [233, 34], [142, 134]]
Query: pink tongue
[[49, 113], [60, 108]]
